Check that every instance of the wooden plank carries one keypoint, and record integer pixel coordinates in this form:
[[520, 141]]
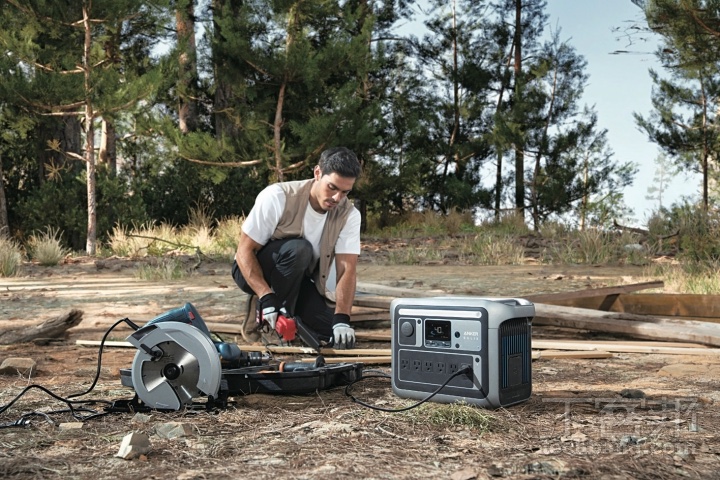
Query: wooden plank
[[639, 326], [263, 348], [387, 291], [373, 337], [382, 360], [108, 343], [621, 347], [371, 317], [310, 351], [663, 304], [380, 296], [600, 293], [376, 301], [537, 354]]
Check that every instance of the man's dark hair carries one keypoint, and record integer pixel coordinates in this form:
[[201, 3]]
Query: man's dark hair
[[339, 160]]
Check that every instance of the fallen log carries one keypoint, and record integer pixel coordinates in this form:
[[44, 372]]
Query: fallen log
[[51, 328], [639, 326]]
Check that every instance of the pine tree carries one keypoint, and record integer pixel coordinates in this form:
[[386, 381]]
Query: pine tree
[[684, 121], [71, 75], [664, 172]]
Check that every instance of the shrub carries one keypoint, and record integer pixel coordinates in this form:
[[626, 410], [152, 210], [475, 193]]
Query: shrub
[[10, 257], [46, 247], [227, 235], [165, 269]]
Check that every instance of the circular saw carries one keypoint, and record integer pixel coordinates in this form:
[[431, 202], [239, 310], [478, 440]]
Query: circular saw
[[174, 364], [178, 361]]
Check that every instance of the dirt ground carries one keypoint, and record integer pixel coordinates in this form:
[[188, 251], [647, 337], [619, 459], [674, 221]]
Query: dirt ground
[[630, 416]]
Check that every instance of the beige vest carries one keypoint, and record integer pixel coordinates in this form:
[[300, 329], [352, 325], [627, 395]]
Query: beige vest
[[297, 199]]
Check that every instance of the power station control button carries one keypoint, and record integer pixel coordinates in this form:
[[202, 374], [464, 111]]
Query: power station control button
[[407, 329]]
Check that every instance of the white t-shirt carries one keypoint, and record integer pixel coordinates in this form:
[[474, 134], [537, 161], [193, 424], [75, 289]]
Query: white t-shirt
[[265, 215]]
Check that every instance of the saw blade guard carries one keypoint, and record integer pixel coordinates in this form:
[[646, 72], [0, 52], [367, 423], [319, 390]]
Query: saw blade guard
[[174, 364]]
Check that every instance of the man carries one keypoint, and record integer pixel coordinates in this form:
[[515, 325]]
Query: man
[[299, 247]]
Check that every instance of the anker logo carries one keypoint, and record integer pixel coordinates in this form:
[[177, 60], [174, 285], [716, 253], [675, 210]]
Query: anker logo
[[471, 334]]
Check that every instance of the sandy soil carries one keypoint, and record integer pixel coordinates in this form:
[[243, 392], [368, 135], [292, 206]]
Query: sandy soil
[[579, 423]]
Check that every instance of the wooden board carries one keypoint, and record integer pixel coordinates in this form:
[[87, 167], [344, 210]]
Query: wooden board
[[263, 348], [539, 354], [623, 347], [601, 294], [638, 326], [660, 304]]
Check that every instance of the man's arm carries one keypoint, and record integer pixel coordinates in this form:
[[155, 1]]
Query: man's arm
[[346, 265], [246, 257]]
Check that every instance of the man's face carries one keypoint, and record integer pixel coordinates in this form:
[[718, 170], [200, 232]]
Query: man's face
[[329, 190]]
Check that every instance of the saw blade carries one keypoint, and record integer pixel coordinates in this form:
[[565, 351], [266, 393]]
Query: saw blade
[[178, 367], [174, 364]]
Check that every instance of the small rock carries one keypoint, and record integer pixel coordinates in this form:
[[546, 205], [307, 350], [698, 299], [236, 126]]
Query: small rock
[[464, 474], [134, 445], [495, 471], [18, 366], [172, 430], [141, 418], [632, 393]]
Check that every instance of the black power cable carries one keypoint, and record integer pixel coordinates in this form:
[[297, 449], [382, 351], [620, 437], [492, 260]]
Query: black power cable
[[348, 389], [73, 408]]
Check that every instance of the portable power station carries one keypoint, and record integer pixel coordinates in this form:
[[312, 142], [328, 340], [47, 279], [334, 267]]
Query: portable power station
[[433, 338]]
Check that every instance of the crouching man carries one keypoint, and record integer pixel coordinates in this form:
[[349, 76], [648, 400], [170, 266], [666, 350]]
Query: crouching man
[[299, 247]]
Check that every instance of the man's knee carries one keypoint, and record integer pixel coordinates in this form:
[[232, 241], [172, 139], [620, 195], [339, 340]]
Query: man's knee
[[240, 280], [297, 252]]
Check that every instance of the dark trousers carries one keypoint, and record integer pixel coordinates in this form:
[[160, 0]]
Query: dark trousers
[[285, 264]]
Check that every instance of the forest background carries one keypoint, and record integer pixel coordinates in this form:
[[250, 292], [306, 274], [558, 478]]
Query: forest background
[[118, 113]]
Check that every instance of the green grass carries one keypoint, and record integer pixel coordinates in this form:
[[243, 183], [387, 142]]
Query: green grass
[[458, 414]]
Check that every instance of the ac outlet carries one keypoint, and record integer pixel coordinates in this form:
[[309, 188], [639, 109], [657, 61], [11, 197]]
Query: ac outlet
[[433, 368]]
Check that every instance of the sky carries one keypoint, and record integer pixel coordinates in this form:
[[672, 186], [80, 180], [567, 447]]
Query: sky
[[619, 85]]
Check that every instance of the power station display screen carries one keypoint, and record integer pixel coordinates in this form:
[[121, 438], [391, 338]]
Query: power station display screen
[[437, 333]]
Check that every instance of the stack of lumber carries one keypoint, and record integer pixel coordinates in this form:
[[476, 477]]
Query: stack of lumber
[[605, 310]]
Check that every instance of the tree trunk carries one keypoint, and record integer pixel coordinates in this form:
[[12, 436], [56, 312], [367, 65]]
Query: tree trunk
[[292, 31], [519, 146], [108, 146], [277, 131], [187, 81], [89, 137], [4, 224]]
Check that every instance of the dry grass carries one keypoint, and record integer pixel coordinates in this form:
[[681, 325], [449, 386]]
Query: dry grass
[[46, 248], [10, 257]]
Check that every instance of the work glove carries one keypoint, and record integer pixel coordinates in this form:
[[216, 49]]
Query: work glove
[[343, 333], [267, 310]]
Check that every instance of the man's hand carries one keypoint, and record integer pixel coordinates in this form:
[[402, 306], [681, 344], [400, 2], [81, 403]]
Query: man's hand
[[267, 310], [343, 333]]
